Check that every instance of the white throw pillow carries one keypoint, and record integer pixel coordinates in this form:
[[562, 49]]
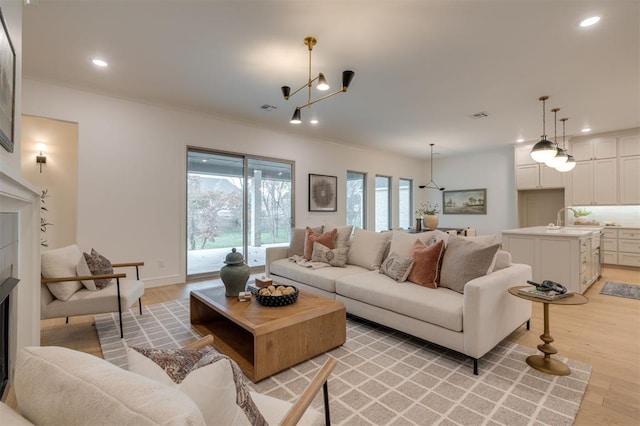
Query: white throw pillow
[[368, 248], [211, 387], [336, 257], [401, 241], [61, 263]]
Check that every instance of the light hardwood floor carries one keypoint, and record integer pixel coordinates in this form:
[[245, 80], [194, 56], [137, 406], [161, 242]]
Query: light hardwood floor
[[605, 333]]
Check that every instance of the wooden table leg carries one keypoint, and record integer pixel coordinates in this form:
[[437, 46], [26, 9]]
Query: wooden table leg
[[545, 363]]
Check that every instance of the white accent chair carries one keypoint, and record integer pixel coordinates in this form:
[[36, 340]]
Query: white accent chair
[[60, 266]]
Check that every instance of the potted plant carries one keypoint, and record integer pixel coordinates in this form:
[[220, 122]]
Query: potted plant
[[581, 216], [429, 215]]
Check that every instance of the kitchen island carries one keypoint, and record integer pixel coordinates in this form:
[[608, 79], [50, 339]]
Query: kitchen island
[[568, 255]]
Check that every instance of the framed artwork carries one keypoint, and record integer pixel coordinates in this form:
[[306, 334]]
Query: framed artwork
[[465, 201], [7, 87], [323, 193]]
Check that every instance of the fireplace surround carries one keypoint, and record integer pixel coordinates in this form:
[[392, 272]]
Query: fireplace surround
[[20, 202]]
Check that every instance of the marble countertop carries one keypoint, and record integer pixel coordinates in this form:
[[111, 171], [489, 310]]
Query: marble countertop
[[570, 231]]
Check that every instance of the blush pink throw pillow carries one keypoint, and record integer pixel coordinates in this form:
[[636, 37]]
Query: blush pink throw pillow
[[427, 263], [328, 239]]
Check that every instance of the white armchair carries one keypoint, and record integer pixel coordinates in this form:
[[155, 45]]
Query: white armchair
[[64, 295]]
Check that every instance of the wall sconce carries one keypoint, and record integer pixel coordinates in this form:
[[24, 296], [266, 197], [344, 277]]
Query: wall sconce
[[41, 158]]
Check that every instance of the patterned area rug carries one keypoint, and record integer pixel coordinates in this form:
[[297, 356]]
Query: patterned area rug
[[385, 377], [630, 291]]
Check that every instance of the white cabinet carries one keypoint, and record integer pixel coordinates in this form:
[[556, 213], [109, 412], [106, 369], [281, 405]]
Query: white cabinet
[[532, 175], [629, 145], [595, 149], [594, 182], [629, 178], [621, 247], [629, 247], [568, 260], [538, 176]]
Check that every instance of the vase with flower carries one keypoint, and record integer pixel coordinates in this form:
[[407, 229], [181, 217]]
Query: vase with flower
[[429, 215]]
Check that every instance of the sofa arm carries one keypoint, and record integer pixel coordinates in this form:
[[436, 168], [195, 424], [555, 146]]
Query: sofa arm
[[489, 312], [273, 254]]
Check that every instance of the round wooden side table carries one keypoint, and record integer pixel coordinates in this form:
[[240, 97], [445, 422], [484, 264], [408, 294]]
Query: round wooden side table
[[545, 363]]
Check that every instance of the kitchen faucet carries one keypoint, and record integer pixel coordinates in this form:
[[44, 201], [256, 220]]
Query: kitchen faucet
[[558, 217]]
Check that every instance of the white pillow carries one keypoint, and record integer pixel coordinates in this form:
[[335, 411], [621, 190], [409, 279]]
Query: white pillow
[[401, 241], [61, 263], [211, 387], [368, 248]]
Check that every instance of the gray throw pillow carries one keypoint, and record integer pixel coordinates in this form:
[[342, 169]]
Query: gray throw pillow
[[397, 267], [98, 265], [465, 260], [334, 257], [296, 245]]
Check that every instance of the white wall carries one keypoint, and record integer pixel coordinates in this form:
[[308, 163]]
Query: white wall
[[132, 171], [491, 169]]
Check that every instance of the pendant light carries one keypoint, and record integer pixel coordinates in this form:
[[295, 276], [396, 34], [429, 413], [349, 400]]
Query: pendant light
[[561, 155], [431, 184], [544, 149], [571, 162]]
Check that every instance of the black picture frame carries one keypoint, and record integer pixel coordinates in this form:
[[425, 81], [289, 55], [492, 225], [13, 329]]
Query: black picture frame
[[323, 193], [7, 87], [465, 201]]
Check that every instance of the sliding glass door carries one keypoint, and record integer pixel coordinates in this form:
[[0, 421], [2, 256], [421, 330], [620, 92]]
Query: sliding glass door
[[235, 201]]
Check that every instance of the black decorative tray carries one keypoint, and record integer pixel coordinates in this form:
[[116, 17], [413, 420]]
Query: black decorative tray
[[274, 301]]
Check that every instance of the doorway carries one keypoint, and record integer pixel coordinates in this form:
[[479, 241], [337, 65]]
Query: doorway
[[235, 201]]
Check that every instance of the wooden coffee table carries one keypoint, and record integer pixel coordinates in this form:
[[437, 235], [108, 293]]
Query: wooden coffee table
[[266, 340]]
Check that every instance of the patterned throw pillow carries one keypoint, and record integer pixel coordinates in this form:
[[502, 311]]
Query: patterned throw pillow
[[397, 267], [428, 261], [200, 373], [327, 239], [334, 257], [98, 265]]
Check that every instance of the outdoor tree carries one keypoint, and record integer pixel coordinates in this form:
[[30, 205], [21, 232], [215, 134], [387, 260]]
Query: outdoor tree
[[276, 196]]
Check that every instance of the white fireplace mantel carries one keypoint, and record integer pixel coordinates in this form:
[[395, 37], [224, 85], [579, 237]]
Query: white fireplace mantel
[[18, 196]]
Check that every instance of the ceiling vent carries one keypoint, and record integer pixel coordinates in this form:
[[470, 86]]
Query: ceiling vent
[[481, 114], [268, 107]]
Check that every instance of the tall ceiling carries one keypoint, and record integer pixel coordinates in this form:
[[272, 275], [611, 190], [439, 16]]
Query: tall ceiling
[[422, 68]]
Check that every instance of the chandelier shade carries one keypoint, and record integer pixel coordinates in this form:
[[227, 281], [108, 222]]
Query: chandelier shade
[[431, 184], [321, 84], [568, 165], [544, 150]]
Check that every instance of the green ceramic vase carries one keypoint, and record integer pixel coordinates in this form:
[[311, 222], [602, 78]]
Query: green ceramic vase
[[234, 274]]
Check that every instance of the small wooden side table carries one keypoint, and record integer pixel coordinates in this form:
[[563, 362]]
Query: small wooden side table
[[545, 363]]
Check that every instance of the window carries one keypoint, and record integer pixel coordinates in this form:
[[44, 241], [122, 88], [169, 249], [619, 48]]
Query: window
[[356, 200], [235, 201], [383, 203], [405, 202]]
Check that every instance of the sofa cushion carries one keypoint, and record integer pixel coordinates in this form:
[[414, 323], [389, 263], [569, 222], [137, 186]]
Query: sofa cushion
[[428, 260], [401, 241], [60, 263], [199, 374], [334, 257], [323, 278], [327, 239], [296, 246], [464, 260], [397, 267], [439, 306], [61, 386], [368, 248]]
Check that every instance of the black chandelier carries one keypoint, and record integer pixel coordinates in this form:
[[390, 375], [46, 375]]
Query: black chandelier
[[322, 85]]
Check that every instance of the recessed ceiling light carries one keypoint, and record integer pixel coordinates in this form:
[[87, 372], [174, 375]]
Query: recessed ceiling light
[[313, 121], [590, 21], [99, 63], [520, 140], [586, 130]]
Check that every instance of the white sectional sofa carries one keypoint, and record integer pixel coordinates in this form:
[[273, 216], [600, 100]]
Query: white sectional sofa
[[471, 322]]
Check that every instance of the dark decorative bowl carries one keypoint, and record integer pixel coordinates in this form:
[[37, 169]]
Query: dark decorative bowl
[[275, 301]]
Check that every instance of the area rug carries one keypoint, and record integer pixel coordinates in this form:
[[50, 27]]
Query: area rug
[[629, 291], [385, 377]]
